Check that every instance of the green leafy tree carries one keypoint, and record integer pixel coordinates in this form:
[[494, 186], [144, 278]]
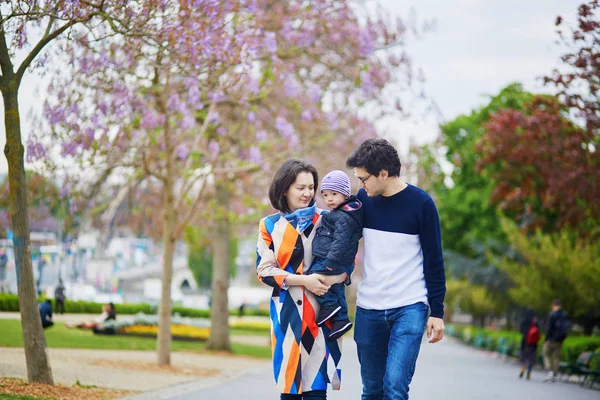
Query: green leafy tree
[[200, 257], [554, 265], [465, 209]]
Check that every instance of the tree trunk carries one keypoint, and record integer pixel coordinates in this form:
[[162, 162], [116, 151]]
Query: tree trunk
[[169, 225], [219, 317], [38, 365]]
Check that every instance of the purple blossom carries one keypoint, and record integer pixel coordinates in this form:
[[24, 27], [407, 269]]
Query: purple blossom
[[64, 190], [284, 128], [35, 150], [214, 117], [194, 96], [253, 87], [222, 131], [290, 87], [150, 120], [261, 135], [174, 102], [332, 119], [181, 152], [365, 82], [251, 117], [314, 93], [294, 141], [213, 148], [307, 115], [366, 44], [255, 155], [72, 207], [270, 42], [187, 122], [217, 96]]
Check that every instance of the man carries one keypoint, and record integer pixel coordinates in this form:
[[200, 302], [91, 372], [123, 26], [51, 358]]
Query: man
[[59, 297], [403, 277], [556, 333]]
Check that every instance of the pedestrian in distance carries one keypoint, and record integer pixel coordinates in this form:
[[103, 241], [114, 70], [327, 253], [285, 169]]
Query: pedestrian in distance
[[3, 267], [305, 360], [59, 297], [530, 330], [556, 332], [402, 291]]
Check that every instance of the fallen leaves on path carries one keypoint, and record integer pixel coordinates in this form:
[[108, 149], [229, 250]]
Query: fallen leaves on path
[[62, 392], [150, 367]]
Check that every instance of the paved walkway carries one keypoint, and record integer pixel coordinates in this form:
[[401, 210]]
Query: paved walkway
[[447, 371], [132, 370]]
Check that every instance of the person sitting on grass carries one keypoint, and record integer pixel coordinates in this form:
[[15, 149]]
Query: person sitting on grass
[[46, 314], [108, 313]]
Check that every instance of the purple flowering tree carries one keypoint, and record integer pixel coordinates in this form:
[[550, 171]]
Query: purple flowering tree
[[26, 30], [209, 99]]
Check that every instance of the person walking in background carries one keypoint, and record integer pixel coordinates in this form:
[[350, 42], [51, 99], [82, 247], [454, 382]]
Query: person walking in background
[[305, 360], [335, 247], [3, 265], [403, 275], [531, 336], [59, 297], [556, 333]]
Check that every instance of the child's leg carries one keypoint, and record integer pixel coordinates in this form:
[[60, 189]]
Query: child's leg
[[318, 267], [338, 291]]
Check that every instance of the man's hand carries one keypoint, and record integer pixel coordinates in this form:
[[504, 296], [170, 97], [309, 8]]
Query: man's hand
[[435, 326]]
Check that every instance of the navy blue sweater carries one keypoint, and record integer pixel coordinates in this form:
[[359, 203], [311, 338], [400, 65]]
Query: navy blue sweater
[[403, 252]]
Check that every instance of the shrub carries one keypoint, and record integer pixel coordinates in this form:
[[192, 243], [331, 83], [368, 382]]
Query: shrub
[[485, 338], [251, 326], [10, 303]]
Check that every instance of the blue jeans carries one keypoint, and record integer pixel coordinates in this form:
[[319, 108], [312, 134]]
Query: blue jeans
[[388, 343]]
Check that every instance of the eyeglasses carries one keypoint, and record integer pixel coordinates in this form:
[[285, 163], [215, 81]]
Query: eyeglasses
[[363, 180]]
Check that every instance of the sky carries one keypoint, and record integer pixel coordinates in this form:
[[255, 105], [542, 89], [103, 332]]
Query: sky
[[477, 48]]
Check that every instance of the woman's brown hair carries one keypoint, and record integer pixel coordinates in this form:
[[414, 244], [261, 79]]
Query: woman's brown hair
[[284, 178]]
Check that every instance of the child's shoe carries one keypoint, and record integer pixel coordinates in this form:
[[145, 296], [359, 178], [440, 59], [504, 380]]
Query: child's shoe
[[326, 313], [339, 328]]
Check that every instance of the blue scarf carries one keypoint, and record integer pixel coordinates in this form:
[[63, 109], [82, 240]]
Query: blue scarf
[[302, 217]]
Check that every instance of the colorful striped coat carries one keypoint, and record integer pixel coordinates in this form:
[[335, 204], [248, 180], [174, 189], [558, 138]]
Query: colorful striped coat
[[303, 358]]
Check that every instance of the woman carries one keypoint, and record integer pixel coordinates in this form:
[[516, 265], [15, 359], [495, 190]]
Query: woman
[[531, 336], [108, 313], [304, 360]]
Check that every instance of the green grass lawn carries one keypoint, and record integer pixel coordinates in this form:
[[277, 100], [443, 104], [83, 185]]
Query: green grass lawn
[[60, 336], [6, 396]]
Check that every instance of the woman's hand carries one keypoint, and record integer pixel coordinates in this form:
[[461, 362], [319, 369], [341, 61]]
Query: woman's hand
[[333, 279], [316, 284]]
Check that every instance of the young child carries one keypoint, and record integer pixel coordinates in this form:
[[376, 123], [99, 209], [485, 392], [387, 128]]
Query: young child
[[335, 246]]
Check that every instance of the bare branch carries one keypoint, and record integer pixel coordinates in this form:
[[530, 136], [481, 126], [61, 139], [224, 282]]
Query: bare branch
[[190, 213], [38, 48]]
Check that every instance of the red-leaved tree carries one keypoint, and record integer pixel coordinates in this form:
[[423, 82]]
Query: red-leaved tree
[[547, 169]]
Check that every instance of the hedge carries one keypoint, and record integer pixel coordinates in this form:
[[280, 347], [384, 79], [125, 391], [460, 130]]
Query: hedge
[[10, 303], [509, 342]]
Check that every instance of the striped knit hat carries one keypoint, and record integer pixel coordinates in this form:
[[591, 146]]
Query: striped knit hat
[[336, 181]]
